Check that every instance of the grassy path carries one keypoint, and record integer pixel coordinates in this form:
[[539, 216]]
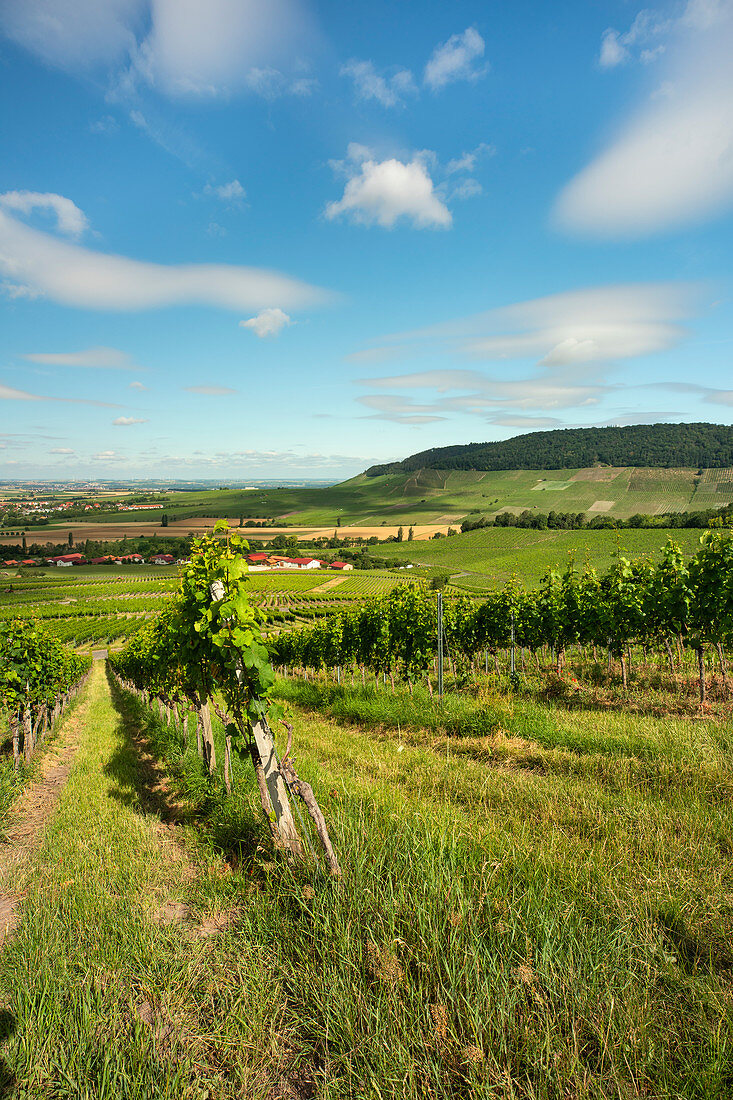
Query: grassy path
[[105, 992], [519, 919]]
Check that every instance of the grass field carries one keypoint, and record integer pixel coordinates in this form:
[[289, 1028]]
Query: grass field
[[542, 911], [492, 555], [444, 497]]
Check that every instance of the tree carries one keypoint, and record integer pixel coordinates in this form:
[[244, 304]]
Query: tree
[[411, 534], [439, 580], [164, 520], [400, 534], [71, 538]]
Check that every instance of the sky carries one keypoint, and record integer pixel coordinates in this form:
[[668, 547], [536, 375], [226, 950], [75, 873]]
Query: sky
[[278, 238]]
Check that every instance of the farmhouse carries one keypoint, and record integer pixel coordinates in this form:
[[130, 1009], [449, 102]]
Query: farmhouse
[[68, 559], [343, 565], [162, 559], [258, 562]]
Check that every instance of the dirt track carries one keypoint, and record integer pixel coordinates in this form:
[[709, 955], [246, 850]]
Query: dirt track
[[102, 531]]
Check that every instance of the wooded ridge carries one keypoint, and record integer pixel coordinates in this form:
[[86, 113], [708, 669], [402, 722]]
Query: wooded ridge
[[658, 445]]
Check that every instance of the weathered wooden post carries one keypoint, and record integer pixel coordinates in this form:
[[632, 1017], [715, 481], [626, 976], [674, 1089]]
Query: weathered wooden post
[[440, 645]]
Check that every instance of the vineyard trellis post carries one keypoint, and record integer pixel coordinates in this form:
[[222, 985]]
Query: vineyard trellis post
[[440, 645]]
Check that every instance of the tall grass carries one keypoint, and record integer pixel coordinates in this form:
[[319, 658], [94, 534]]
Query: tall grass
[[544, 915]]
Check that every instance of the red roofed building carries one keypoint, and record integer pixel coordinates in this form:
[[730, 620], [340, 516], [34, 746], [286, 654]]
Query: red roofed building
[[299, 563], [67, 559], [162, 559], [341, 565]]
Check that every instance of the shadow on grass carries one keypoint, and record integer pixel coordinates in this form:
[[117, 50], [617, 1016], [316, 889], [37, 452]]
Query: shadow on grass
[[692, 951], [143, 782], [8, 1080], [159, 775]]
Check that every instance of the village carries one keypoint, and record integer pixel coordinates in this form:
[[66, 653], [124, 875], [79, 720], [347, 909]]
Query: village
[[258, 562]]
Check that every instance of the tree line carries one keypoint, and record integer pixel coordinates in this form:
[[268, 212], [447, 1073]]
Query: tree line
[[658, 445]]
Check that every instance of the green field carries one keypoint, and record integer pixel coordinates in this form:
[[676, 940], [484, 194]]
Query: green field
[[436, 496], [92, 606], [493, 554]]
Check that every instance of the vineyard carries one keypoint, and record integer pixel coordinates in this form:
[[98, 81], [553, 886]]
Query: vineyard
[[96, 608], [464, 846]]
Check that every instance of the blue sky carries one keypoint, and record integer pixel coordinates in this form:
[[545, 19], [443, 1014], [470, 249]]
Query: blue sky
[[267, 239]]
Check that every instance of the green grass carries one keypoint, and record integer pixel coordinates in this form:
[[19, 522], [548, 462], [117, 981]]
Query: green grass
[[535, 909], [492, 555]]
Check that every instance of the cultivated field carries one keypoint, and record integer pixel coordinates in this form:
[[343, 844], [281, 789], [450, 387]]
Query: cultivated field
[[89, 607], [493, 554], [437, 498]]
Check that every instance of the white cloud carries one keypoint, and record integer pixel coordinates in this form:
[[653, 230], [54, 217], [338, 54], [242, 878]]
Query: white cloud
[[613, 51], [456, 59], [268, 322], [672, 164], [213, 47], [384, 192], [73, 34], [466, 189], [179, 47], [137, 386], [399, 410], [591, 325], [211, 391], [16, 291], [106, 456], [104, 358], [61, 451], [467, 161], [570, 337], [126, 421], [232, 192], [7, 393], [105, 125], [77, 276], [69, 218], [390, 91]]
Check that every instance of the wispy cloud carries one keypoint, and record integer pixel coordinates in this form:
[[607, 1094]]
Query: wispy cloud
[[8, 393], [127, 421], [78, 276], [671, 164], [69, 218], [232, 193], [390, 90], [211, 391], [180, 48], [101, 358], [457, 59], [571, 341]]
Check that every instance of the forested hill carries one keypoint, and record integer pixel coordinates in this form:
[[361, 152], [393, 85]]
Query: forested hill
[[662, 445]]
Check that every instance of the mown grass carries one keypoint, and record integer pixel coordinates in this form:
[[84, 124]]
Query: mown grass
[[535, 910]]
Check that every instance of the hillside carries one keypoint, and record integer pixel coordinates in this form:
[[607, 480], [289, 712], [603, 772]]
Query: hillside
[[651, 445], [447, 497]]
